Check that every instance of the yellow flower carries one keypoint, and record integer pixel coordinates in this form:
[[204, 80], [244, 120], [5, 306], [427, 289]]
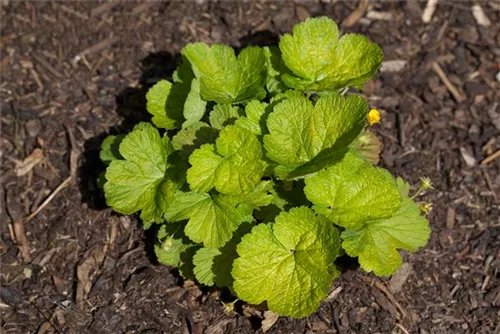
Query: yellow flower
[[374, 117], [425, 207]]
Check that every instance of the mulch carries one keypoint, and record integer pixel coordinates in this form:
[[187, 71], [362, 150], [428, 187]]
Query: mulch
[[73, 72]]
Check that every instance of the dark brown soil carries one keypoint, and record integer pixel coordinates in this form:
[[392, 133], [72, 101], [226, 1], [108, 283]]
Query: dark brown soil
[[74, 71]]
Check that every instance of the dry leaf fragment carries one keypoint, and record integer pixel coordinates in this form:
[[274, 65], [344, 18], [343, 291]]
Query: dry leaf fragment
[[270, 319], [25, 166]]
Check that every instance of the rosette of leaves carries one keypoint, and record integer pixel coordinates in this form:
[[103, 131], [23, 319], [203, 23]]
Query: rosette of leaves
[[253, 169]]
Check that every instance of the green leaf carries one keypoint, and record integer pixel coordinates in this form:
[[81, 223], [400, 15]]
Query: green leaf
[[212, 218], [192, 137], [353, 191], [109, 149], [225, 78], [259, 196], [194, 106], [204, 269], [288, 263], [275, 68], [255, 112], [403, 187], [304, 138], [164, 105], [222, 115], [138, 182], [320, 61], [376, 243], [213, 266], [171, 244], [368, 146], [233, 165]]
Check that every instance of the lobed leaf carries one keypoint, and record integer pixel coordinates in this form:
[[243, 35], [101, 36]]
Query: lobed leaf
[[288, 263], [225, 78], [320, 61], [233, 165]]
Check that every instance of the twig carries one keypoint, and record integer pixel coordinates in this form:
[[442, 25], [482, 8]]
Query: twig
[[402, 328], [106, 6], [47, 66], [95, 48], [456, 94], [429, 10], [389, 295], [20, 234], [73, 12], [48, 199], [356, 14], [490, 158]]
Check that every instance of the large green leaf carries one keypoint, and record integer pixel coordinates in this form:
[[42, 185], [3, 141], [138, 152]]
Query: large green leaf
[[320, 61], [288, 263], [225, 78], [138, 182], [212, 218], [353, 191], [377, 242], [304, 138]]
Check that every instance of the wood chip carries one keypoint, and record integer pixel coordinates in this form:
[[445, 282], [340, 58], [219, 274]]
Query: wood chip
[[379, 16], [480, 17], [334, 294], [86, 272], [392, 65], [301, 12], [24, 167], [270, 319], [356, 14], [398, 280], [450, 218], [470, 161], [22, 241], [429, 10]]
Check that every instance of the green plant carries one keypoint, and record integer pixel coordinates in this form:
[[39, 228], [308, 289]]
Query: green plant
[[260, 173]]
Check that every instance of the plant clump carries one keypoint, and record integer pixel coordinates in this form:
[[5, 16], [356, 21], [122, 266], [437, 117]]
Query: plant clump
[[257, 167]]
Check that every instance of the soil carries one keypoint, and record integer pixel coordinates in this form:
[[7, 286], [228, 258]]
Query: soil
[[73, 72]]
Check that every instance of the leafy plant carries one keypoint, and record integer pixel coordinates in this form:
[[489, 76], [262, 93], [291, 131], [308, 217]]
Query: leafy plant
[[259, 169]]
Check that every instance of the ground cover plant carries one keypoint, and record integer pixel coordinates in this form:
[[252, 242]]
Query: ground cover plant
[[256, 168]]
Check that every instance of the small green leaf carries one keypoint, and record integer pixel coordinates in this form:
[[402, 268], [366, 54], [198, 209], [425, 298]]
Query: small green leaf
[[376, 243], [275, 68], [165, 108], [232, 166], [192, 137], [194, 106], [288, 263], [213, 266], [171, 244], [255, 112], [320, 61], [225, 78], [222, 115], [138, 182], [302, 136], [109, 149], [352, 191], [212, 218]]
